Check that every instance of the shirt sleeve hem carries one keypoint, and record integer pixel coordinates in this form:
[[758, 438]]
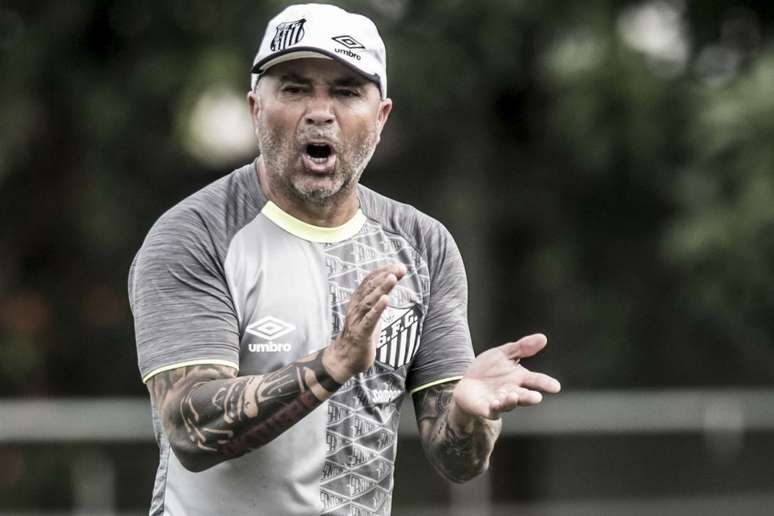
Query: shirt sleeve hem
[[436, 382], [202, 361]]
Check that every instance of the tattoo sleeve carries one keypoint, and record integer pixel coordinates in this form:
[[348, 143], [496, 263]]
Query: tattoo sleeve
[[459, 454], [210, 415]]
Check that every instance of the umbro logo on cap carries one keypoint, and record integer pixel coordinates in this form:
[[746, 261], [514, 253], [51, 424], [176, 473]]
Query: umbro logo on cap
[[348, 41]]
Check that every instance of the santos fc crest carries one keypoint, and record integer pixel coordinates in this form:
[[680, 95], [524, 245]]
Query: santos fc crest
[[399, 336], [287, 35]]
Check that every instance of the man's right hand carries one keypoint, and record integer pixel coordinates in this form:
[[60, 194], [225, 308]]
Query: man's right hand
[[210, 414], [354, 350]]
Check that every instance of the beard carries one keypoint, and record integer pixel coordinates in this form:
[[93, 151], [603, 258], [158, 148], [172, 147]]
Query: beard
[[282, 157]]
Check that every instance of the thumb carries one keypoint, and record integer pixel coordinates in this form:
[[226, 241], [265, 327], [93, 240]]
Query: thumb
[[525, 347]]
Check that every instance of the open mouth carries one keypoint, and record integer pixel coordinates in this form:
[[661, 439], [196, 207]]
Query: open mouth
[[319, 152], [319, 158]]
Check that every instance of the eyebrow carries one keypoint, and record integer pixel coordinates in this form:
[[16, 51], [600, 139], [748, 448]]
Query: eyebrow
[[351, 81]]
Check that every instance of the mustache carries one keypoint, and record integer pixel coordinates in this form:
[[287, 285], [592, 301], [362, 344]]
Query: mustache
[[328, 137]]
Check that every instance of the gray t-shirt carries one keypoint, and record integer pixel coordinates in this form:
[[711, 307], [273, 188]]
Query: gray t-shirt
[[226, 277]]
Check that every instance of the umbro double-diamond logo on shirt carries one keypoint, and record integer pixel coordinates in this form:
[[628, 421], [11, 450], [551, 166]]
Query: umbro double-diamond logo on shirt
[[270, 328]]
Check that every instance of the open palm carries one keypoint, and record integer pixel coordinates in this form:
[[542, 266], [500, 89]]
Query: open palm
[[495, 382]]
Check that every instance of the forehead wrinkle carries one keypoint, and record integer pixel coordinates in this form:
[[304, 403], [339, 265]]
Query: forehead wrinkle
[[353, 80], [293, 77]]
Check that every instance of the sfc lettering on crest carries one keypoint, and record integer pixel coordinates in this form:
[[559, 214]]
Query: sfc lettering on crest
[[399, 336], [288, 34]]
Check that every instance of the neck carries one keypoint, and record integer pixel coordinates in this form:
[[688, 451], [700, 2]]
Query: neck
[[332, 212]]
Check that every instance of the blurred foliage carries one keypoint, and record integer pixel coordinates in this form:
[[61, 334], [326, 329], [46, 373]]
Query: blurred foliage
[[618, 199]]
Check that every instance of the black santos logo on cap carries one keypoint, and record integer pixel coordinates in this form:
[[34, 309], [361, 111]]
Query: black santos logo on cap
[[348, 41], [288, 34]]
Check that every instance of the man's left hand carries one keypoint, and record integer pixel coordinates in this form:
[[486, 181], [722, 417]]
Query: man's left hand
[[495, 382]]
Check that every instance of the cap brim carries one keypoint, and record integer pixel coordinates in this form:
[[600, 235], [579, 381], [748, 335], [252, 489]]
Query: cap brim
[[309, 52], [261, 67]]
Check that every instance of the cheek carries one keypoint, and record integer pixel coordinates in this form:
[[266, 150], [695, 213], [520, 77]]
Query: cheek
[[279, 119], [362, 129], [274, 128]]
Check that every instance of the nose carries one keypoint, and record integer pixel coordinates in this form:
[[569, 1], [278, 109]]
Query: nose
[[319, 111]]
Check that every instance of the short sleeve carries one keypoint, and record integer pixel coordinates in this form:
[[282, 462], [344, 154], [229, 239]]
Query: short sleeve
[[445, 348], [183, 311]]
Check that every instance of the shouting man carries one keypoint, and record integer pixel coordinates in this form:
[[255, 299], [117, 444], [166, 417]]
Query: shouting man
[[283, 312]]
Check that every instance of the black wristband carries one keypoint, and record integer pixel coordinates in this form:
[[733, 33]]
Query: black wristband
[[323, 377]]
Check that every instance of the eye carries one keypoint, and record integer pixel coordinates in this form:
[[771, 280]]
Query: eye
[[346, 92], [292, 89]]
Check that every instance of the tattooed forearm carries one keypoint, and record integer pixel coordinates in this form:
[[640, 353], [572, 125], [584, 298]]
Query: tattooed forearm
[[459, 454], [209, 415]]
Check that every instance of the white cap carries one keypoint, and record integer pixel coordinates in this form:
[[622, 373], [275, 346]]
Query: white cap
[[323, 31]]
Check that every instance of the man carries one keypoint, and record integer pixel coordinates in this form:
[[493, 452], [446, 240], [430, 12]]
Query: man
[[283, 312]]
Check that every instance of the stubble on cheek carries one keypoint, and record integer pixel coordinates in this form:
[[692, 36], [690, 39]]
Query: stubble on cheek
[[276, 153], [286, 172]]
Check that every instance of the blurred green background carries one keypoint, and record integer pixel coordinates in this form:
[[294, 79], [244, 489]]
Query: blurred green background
[[606, 167]]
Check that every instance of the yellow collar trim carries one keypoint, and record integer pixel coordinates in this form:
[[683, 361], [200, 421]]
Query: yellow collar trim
[[312, 233]]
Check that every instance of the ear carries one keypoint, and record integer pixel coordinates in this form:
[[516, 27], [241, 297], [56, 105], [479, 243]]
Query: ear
[[385, 107], [254, 104]]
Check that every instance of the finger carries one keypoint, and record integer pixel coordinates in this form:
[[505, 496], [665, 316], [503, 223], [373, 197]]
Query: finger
[[371, 318], [364, 297], [376, 277], [383, 288], [528, 397], [368, 284], [398, 269], [519, 397], [504, 401], [541, 382], [525, 347]]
